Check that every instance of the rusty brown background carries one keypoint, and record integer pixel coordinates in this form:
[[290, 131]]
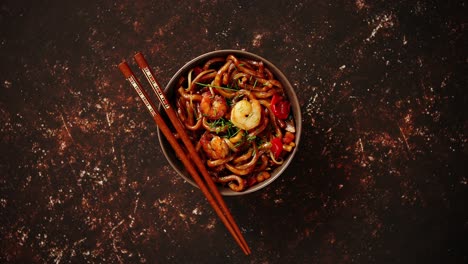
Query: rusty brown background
[[381, 172]]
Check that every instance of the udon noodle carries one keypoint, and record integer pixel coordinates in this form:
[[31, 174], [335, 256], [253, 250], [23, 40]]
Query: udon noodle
[[238, 116]]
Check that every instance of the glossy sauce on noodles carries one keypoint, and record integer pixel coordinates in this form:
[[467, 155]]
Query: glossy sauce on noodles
[[238, 116]]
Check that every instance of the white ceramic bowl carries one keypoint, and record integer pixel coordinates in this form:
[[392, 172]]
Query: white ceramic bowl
[[170, 92]]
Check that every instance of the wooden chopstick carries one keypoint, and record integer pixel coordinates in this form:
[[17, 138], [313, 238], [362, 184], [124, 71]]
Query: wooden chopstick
[[143, 64], [127, 72]]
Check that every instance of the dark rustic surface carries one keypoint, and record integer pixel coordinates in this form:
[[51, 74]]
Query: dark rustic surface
[[381, 172]]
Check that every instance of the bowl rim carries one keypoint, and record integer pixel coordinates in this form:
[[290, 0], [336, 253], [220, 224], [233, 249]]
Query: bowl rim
[[291, 96]]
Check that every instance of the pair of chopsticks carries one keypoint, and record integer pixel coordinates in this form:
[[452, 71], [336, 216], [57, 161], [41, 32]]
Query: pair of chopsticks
[[207, 186]]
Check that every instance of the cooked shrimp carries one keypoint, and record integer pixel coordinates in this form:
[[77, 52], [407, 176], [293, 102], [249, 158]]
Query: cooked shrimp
[[213, 106], [246, 114], [214, 146]]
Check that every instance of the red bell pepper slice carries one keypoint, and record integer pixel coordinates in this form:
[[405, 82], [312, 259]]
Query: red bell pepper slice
[[280, 107], [276, 147]]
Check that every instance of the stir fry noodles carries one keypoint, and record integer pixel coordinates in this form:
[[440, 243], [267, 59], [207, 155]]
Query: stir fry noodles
[[238, 116]]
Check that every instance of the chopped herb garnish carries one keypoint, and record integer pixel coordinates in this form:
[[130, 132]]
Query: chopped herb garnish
[[217, 122], [251, 138], [259, 141], [238, 65], [239, 143], [232, 132], [215, 86], [221, 123]]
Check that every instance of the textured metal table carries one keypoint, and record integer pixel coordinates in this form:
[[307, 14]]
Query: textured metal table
[[381, 172]]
